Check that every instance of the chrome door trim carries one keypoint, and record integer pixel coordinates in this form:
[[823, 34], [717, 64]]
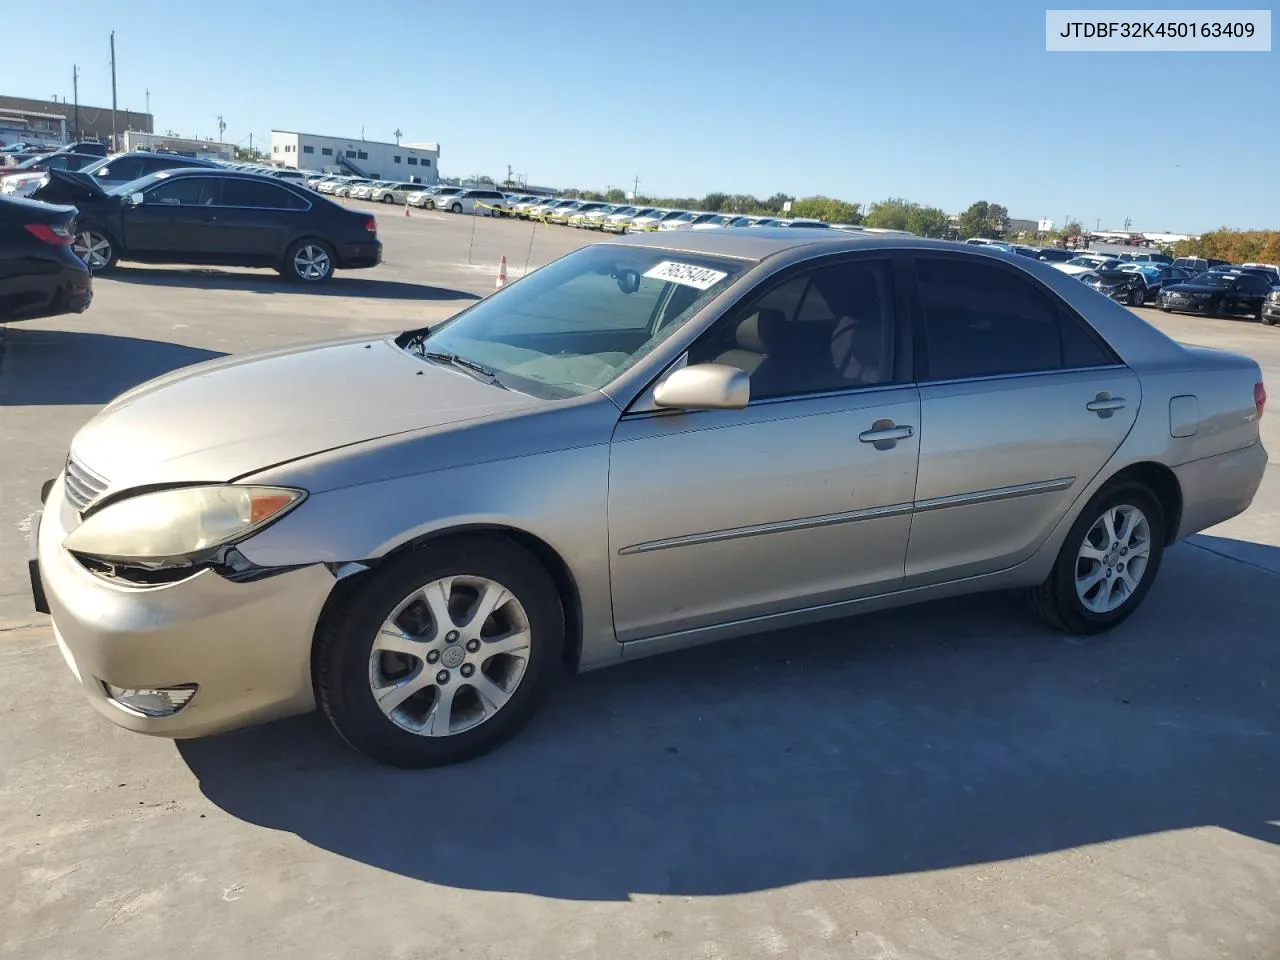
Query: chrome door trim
[[1021, 375], [994, 494], [779, 526]]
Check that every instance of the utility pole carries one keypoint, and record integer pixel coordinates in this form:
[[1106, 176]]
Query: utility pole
[[75, 93], [250, 144], [635, 190], [114, 142], [221, 127], [148, 93], [398, 135]]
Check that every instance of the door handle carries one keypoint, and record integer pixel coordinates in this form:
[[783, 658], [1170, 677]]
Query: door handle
[[1104, 404], [883, 431], [209, 218]]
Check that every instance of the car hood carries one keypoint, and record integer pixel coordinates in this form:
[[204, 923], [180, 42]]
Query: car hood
[[223, 419], [1073, 269]]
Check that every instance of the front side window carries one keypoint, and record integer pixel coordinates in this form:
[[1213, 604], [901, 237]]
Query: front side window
[[982, 320], [255, 193], [1252, 284], [126, 168], [576, 324], [185, 192], [827, 329]]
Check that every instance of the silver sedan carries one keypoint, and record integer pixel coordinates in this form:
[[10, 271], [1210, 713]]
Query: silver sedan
[[653, 442]]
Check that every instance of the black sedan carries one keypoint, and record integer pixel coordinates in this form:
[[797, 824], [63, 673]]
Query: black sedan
[[1125, 286], [218, 217], [1217, 294], [40, 276]]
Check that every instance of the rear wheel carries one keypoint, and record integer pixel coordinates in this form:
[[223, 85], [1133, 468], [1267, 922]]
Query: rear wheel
[[455, 208], [309, 261], [444, 655], [388, 198], [1107, 563], [96, 249]]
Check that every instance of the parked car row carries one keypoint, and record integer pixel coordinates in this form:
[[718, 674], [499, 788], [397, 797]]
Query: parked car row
[[1223, 291]]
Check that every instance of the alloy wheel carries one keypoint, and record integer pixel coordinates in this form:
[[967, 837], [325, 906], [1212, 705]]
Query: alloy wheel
[[1113, 558], [93, 248], [311, 262], [450, 655]]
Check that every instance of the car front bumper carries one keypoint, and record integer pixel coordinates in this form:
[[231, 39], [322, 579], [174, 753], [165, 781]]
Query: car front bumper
[[1187, 306], [246, 646], [1271, 311]]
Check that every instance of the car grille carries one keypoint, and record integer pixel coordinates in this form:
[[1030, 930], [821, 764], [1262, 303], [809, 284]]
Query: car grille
[[82, 485]]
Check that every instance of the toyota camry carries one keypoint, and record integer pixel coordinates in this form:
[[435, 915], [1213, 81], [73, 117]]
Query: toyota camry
[[653, 442]]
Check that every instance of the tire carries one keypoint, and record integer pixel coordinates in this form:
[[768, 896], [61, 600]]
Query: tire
[[97, 249], [1060, 603], [1265, 320], [318, 254], [455, 208], [1167, 309], [1137, 296], [388, 198], [348, 667]]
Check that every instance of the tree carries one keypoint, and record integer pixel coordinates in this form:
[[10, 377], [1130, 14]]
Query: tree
[[984, 219], [715, 202], [828, 209], [774, 203], [928, 222], [891, 214], [616, 196], [1071, 228]]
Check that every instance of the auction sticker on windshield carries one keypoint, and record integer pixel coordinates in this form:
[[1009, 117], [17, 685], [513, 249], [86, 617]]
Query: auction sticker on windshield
[[686, 274]]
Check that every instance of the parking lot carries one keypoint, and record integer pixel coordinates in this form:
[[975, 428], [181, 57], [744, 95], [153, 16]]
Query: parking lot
[[953, 780]]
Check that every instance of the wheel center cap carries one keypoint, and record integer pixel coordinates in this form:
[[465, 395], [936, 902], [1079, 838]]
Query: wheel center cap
[[453, 656]]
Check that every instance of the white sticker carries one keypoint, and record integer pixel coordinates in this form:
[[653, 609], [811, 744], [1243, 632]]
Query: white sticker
[[686, 274]]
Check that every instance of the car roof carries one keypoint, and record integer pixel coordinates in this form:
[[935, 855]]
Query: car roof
[[762, 242]]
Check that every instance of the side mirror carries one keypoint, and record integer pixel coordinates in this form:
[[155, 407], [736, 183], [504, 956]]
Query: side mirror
[[136, 199], [704, 386]]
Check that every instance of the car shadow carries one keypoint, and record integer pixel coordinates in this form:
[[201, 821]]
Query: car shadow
[[55, 367], [340, 285], [948, 734]]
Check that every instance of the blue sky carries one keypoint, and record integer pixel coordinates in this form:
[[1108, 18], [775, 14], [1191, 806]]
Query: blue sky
[[943, 103]]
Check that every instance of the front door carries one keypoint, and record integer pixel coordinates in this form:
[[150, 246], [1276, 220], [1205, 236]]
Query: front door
[[802, 498], [175, 219], [1021, 405]]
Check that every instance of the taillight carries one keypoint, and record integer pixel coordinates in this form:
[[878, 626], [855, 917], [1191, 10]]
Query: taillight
[[1260, 397], [371, 225], [58, 233]]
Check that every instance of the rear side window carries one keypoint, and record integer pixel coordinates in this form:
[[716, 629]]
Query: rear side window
[[983, 320], [256, 193]]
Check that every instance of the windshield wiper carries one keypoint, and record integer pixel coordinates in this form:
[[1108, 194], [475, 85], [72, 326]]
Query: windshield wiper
[[480, 371]]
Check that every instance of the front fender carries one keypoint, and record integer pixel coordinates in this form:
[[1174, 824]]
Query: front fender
[[560, 497]]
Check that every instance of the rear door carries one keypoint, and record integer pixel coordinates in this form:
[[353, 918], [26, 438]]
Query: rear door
[[1021, 405], [255, 221]]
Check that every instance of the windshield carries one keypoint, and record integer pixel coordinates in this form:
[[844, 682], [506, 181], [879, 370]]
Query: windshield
[[1089, 262], [579, 322]]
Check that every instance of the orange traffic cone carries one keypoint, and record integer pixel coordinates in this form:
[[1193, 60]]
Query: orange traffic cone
[[502, 274], [406, 208]]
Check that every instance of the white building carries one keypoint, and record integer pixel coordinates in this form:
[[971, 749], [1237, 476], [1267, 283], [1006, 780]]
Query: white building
[[362, 158]]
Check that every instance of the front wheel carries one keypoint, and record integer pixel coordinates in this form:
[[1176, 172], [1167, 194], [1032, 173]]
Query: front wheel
[[1107, 562], [443, 655], [455, 208], [309, 261], [1137, 296], [388, 198], [96, 249]]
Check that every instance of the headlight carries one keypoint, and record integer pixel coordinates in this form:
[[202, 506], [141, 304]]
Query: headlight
[[176, 524]]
